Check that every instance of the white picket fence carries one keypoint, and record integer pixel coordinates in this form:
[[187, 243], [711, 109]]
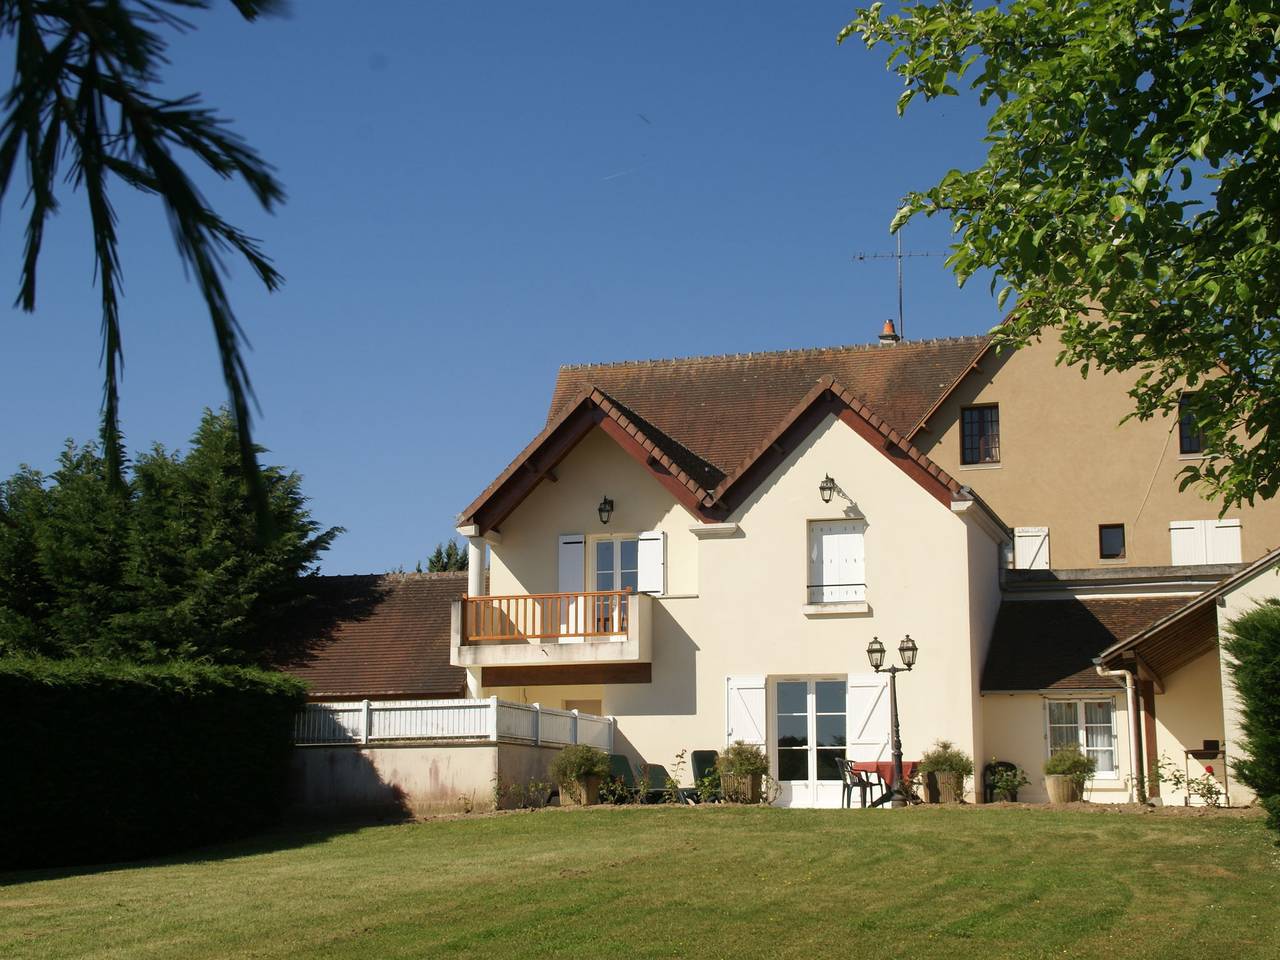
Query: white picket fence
[[374, 721]]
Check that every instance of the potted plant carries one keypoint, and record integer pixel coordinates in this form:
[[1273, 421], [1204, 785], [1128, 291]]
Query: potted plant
[[1066, 773], [1006, 781], [946, 768], [741, 767], [578, 770]]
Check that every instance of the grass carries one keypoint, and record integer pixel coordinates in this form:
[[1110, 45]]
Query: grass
[[673, 882]]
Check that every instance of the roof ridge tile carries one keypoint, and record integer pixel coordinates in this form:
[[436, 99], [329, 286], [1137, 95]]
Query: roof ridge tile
[[762, 354]]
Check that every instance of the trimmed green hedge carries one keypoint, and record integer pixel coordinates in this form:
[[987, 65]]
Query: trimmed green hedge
[[114, 761], [1253, 641]]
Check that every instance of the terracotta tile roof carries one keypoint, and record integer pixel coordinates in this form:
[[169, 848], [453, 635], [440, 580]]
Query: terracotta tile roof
[[722, 408], [1050, 643], [388, 639]]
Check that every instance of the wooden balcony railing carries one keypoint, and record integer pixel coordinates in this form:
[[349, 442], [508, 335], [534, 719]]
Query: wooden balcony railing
[[545, 616]]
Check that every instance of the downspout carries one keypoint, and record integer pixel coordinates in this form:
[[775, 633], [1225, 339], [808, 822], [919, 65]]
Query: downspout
[[1135, 728]]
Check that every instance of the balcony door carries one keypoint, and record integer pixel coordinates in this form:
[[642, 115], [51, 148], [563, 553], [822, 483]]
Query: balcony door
[[809, 735], [616, 567]]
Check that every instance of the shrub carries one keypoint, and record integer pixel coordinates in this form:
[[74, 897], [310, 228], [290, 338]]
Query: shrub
[[1253, 641], [742, 760], [119, 761], [1070, 762], [945, 757], [577, 762]]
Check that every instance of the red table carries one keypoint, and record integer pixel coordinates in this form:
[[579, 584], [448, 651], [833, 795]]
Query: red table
[[884, 770]]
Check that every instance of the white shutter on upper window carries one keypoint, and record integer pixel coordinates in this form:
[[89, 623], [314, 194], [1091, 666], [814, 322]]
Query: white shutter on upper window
[[573, 579], [1223, 537], [837, 563], [651, 575], [744, 710], [1031, 548], [1193, 542]]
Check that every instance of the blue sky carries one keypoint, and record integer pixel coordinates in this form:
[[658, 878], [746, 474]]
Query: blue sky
[[479, 193]]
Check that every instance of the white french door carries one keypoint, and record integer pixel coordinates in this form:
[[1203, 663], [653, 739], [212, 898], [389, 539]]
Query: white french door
[[616, 567], [810, 733]]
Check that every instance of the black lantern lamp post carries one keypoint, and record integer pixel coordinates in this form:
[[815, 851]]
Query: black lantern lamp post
[[605, 510], [907, 650]]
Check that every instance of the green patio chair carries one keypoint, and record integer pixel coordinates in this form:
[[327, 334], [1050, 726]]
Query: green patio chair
[[703, 763], [620, 773]]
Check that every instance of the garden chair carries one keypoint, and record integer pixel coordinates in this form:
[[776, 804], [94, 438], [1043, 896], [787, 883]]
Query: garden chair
[[703, 764], [989, 775], [658, 778], [620, 772], [851, 778]]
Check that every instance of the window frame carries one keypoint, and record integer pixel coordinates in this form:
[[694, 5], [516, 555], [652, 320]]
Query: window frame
[[593, 570], [1082, 725], [979, 410], [1191, 434], [1123, 555]]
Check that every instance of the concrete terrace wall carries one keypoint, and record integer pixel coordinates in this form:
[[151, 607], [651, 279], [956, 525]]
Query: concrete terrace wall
[[414, 779]]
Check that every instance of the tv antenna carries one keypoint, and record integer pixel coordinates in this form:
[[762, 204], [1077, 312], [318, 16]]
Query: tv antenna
[[899, 256]]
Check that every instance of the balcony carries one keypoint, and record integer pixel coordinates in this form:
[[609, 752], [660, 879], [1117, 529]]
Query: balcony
[[528, 630]]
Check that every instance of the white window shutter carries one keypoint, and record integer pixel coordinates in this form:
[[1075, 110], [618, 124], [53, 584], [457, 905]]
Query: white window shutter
[[745, 710], [1187, 544], [651, 577], [1223, 540], [837, 562], [573, 579], [867, 720], [1031, 548]]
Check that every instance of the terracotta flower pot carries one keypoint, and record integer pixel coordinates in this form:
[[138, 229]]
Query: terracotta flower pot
[[1063, 789], [585, 792], [740, 788]]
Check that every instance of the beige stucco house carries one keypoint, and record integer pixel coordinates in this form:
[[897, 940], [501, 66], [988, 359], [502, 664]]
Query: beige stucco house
[[664, 552]]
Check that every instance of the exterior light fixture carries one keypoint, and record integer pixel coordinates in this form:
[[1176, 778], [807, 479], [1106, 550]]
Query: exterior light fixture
[[605, 510], [907, 649], [875, 653], [827, 488], [898, 795]]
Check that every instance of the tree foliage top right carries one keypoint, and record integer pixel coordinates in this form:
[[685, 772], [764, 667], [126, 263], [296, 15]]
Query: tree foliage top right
[[1130, 196]]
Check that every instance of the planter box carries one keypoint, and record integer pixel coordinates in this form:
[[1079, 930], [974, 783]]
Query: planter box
[[583, 793], [943, 787], [1063, 789], [739, 788]]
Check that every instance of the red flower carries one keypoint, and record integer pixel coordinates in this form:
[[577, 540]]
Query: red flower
[[1208, 768]]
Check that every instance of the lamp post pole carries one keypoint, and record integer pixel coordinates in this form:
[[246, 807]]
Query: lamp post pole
[[897, 795]]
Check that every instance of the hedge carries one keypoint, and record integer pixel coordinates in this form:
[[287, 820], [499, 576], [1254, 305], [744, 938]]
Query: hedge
[[113, 761], [1254, 643]]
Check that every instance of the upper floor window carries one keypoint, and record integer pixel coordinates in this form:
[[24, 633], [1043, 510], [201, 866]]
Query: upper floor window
[[837, 565], [1111, 541], [980, 434], [1190, 439], [617, 563]]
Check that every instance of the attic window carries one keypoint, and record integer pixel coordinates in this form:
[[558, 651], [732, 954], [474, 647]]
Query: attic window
[[980, 434]]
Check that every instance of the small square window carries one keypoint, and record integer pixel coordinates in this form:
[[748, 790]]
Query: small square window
[[980, 434], [1190, 439], [1111, 541]]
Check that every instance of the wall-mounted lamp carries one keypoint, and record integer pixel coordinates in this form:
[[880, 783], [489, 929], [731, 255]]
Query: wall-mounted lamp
[[605, 510], [827, 488]]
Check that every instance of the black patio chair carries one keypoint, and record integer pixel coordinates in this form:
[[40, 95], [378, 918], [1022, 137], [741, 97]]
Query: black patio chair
[[988, 779], [851, 778], [703, 764]]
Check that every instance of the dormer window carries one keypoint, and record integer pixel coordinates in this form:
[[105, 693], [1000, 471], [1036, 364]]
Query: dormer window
[[980, 434]]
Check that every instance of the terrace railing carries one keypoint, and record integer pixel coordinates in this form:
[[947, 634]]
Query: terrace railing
[[563, 617], [381, 721]]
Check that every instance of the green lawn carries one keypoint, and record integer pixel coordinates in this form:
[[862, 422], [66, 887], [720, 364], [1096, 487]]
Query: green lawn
[[704, 883]]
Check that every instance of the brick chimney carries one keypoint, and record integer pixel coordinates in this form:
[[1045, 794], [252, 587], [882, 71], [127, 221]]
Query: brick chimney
[[888, 336]]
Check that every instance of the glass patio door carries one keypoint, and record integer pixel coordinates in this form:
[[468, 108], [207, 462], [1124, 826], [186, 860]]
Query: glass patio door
[[809, 736]]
